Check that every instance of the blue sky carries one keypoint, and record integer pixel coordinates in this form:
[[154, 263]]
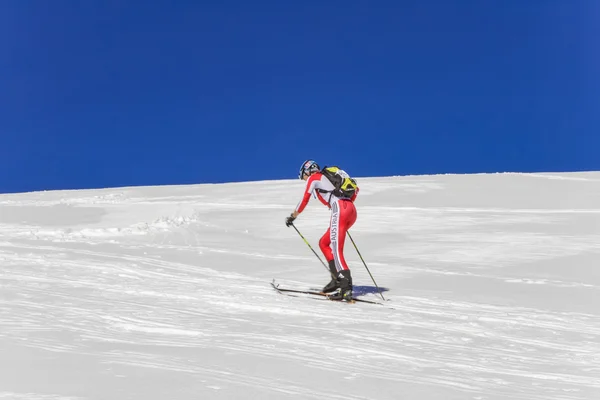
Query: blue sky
[[116, 93]]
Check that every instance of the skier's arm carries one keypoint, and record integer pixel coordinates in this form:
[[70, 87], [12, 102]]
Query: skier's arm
[[301, 205], [310, 187]]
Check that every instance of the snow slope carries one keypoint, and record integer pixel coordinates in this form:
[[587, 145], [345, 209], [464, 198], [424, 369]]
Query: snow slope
[[492, 285]]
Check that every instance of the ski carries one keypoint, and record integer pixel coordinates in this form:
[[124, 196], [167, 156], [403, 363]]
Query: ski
[[315, 293]]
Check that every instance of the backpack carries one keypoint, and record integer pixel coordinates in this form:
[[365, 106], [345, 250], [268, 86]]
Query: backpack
[[345, 187]]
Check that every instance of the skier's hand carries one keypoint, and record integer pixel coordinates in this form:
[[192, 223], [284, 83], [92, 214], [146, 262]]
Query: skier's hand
[[290, 220]]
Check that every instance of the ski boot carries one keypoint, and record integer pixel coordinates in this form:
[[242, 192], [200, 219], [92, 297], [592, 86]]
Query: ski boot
[[334, 284], [345, 285]]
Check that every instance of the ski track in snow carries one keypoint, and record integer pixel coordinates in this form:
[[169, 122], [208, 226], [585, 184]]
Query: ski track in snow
[[182, 307], [34, 396]]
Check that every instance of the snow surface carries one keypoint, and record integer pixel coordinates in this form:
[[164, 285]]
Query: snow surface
[[492, 284]]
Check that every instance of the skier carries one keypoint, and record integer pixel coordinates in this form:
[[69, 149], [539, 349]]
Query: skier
[[343, 216]]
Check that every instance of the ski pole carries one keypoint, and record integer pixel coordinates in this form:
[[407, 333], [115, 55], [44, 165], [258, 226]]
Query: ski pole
[[308, 244], [350, 236]]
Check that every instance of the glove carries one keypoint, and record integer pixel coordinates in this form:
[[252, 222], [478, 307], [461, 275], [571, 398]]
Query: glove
[[289, 220]]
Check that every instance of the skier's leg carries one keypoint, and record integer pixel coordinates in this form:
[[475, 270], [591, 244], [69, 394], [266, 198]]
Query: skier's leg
[[325, 246], [343, 216], [346, 217]]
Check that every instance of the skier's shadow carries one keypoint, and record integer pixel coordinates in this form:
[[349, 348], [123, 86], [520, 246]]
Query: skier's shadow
[[362, 290]]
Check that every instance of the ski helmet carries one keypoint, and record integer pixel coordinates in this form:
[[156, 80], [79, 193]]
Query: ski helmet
[[308, 167]]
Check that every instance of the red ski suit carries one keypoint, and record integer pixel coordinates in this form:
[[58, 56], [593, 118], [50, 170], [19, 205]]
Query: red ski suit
[[343, 216]]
